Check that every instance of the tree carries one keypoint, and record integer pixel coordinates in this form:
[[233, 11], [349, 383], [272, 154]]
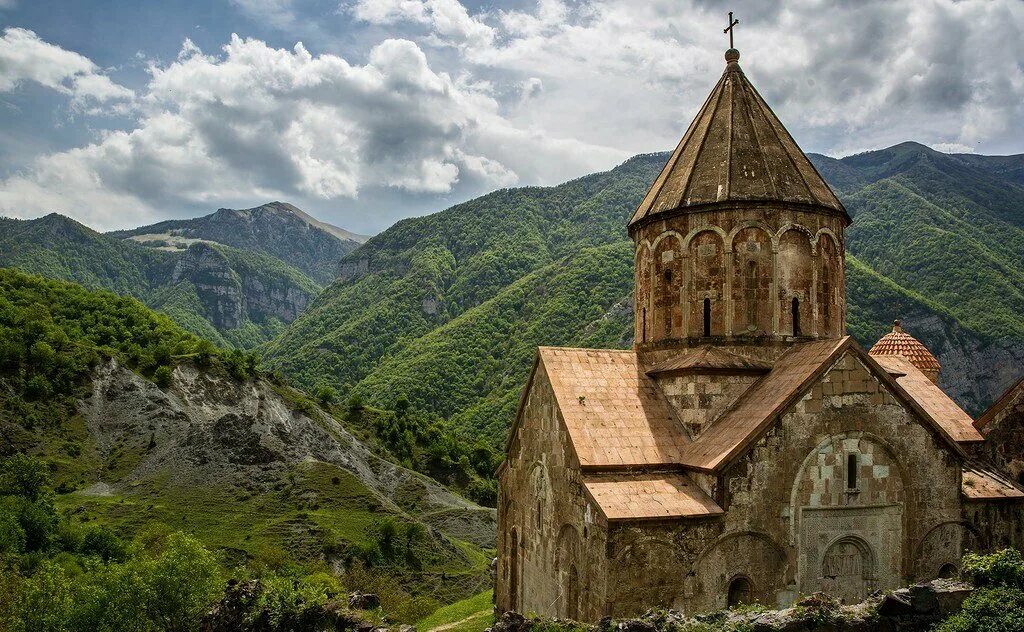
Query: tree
[[326, 395], [183, 581], [25, 476]]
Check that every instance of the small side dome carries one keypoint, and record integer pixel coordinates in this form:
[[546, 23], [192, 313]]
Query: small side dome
[[899, 343]]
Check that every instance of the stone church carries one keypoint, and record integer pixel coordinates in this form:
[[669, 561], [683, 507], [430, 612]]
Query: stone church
[[746, 449]]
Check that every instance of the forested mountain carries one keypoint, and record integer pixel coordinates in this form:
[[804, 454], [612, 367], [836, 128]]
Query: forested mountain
[[144, 427], [446, 310], [231, 296], [277, 229]]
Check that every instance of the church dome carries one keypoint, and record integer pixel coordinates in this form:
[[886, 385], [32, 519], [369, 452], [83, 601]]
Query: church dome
[[736, 151], [899, 343]]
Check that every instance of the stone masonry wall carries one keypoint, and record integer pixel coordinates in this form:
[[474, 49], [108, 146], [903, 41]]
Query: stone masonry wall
[[792, 525], [551, 540], [793, 489], [700, 399], [750, 264]]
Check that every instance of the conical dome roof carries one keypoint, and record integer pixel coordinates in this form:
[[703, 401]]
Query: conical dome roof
[[899, 343], [736, 150]]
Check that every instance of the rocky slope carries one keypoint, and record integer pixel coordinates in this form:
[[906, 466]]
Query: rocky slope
[[248, 470], [276, 229]]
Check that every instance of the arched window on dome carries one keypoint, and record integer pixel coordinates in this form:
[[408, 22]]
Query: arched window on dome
[[707, 317], [751, 294], [796, 316]]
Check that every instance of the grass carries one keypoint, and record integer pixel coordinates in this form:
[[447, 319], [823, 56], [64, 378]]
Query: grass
[[474, 614]]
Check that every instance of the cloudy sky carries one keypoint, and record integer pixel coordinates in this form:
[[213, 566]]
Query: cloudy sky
[[124, 112]]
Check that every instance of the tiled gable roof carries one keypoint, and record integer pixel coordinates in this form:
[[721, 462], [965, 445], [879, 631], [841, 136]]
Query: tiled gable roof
[[615, 414], [711, 359], [957, 423], [741, 424], [649, 496], [984, 483]]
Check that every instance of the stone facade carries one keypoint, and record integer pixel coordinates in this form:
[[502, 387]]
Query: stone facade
[[745, 449]]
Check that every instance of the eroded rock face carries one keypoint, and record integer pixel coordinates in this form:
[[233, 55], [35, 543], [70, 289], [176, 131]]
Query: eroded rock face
[[974, 372], [211, 431], [230, 298], [218, 289]]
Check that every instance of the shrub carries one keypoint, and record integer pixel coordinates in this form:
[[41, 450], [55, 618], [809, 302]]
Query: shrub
[[103, 543], [999, 609], [162, 376], [1003, 568]]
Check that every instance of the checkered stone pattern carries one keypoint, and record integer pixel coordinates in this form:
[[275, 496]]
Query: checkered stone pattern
[[825, 478]]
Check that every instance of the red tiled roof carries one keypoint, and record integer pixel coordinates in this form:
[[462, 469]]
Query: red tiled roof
[[899, 343], [639, 496], [707, 358], [793, 371], [983, 483], [957, 423], [615, 414]]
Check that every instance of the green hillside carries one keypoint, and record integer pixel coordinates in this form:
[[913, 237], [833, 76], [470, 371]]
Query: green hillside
[[230, 296], [446, 310], [146, 429]]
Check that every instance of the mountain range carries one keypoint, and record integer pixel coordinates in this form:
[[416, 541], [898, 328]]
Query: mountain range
[[236, 277], [446, 310]]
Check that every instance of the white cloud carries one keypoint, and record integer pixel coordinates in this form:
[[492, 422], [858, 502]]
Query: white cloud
[[25, 57], [448, 20], [258, 122], [458, 102], [953, 148]]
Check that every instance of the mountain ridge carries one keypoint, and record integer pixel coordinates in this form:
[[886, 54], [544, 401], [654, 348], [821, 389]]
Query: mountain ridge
[[457, 271], [277, 229]]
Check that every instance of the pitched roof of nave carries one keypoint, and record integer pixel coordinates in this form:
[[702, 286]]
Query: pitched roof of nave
[[980, 482], [709, 359], [617, 416], [736, 150], [957, 423]]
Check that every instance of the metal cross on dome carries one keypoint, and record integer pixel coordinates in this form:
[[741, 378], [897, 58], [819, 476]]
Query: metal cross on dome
[[728, 30]]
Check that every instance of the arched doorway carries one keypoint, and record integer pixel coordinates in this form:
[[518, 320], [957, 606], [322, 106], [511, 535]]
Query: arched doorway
[[948, 571], [847, 570], [741, 591]]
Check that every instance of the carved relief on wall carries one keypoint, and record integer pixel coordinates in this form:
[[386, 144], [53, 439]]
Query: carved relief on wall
[[847, 570]]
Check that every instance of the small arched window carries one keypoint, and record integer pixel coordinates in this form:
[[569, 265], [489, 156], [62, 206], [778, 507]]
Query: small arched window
[[796, 316], [948, 571], [707, 317], [668, 277], [740, 590], [851, 471], [751, 297], [643, 325]]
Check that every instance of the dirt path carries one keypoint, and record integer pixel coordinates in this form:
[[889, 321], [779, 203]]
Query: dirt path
[[449, 626]]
